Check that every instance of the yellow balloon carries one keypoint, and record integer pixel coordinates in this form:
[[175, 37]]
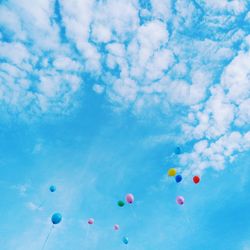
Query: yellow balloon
[[172, 172]]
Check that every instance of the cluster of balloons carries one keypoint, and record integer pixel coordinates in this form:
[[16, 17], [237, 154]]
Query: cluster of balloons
[[91, 221], [178, 178], [129, 199], [172, 172], [56, 218]]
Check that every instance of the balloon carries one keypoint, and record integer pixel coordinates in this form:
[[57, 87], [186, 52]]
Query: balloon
[[52, 188], [120, 203], [116, 227], [180, 200], [172, 172], [91, 221], [178, 178], [125, 240], [177, 150], [56, 218], [196, 179], [130, 198]]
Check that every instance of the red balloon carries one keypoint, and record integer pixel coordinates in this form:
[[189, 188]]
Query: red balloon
[[196, 179]]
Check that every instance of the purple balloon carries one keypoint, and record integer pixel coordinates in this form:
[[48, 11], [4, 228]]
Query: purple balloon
[[180, 200], [130, 198], [116, 227], [91, 221]]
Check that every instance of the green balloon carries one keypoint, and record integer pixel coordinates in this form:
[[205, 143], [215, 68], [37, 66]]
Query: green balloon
[[120, 203]]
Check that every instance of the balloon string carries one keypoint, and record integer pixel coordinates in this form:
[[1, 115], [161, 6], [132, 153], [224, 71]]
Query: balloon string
[[188, 219], [170, 156], [133, 212], [47, 238], [42, 203], [87, 236]]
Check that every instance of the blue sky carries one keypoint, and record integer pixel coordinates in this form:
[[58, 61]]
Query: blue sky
[[96, 95]]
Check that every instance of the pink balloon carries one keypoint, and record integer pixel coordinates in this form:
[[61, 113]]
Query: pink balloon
[[130, 198], [116, 227], [91, 221], [180, 200]]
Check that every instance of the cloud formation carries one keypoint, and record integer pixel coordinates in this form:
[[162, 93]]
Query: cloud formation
[[166, 54]]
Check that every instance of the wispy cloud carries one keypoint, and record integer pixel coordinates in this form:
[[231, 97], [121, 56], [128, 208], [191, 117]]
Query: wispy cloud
[[32, 206], [22, 189]]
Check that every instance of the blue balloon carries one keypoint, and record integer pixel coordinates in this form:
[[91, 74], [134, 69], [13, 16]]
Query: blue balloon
[[56, 218], [178, 150], [178, 178], [125, 240], [52, 188]]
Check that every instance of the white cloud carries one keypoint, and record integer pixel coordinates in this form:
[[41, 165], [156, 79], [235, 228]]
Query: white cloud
[[29, 79], [145, 60], [101, 33], [66, 63], [174, 56], [49, 85], [215, 153], [243, 114], [32, 206], [161, 61], [161, 9], [236, 6], [124, 91], [186, 11], [119, 17], [77, 27], [247, 18], [220, 118], [10, 21], [15, 53], [98, 88], [236, 78]]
